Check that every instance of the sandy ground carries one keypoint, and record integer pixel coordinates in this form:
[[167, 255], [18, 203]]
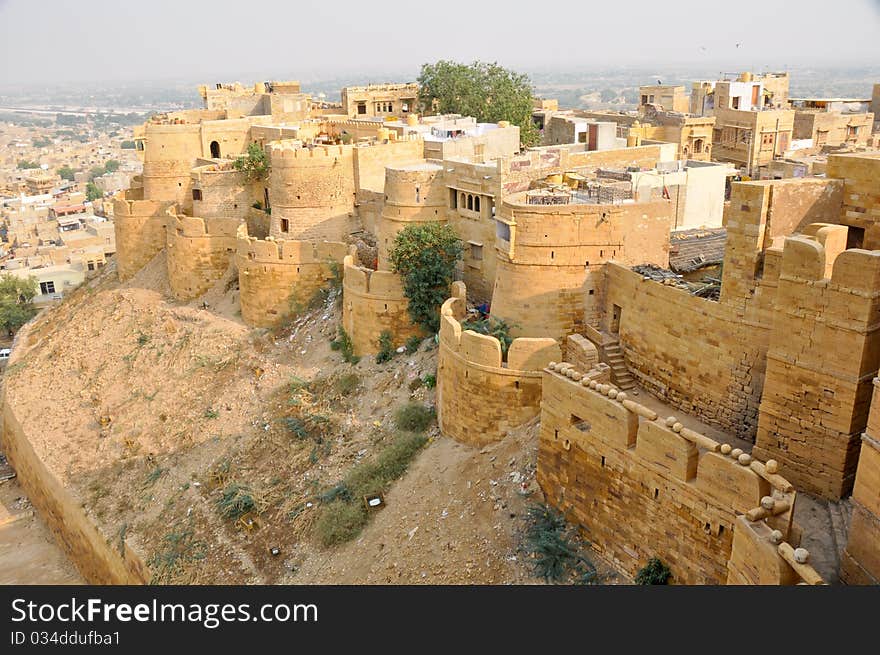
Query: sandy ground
[[28, 551]]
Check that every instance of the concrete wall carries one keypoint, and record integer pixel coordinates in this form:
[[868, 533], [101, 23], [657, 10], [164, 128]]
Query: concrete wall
[[643, 486], [277, 277], [479, 397]]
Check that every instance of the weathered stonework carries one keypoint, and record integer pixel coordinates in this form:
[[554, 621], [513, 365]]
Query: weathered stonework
[[479, 397]]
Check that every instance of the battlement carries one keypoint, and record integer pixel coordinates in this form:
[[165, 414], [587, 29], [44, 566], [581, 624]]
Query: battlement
[[278, 277], [193, 227], [367, 282], [374, 302], [287, 251], [284, 153], [124, 208], [645, 485], [479, 395]]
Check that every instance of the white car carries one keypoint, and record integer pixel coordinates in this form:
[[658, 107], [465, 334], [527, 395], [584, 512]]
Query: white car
[[5, 353]]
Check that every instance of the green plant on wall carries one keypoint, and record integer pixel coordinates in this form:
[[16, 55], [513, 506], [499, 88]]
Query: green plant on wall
[[254, 163], [425, 256]]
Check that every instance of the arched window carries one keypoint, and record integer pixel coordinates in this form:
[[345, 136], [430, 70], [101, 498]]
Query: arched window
[[477, 203], [215, 150], [470, 202], [698, 145], [462, 200]]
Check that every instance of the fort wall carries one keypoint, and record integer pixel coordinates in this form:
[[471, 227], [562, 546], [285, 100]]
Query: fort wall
[[311, 192], [413, 194], [860, 563], [860, 206], [823, 355], [100, 558], [199, 251], [140, 228], [479, 396], [277, 277], [373, 302], [549, 257], [222, 192], [695, 354], [170, 152], [644, 486]]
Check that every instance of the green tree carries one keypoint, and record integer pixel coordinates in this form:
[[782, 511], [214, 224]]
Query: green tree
[[93, 192], [16, 301], [111, 165], [96, 171], [66, 173], [486, 91], [254, 164], [425, 256], [41, 142], [24, 164]]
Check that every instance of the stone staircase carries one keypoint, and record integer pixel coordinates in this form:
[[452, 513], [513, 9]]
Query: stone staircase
[[620, 375]]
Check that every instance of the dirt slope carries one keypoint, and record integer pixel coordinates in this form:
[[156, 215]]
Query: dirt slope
[[150, 409]]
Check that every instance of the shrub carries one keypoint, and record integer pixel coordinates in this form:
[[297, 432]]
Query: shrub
[[493, 327], [340, 521], [254, 164], [654, 572], [344, 516], [347, 383], [425, 256], [414, 417], [412, 344], [430, 380], [548, 539], [236, 501], [344, 345], [386, 347]]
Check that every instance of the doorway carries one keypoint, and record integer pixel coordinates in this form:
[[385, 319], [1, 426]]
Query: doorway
[[215, 150], [615, 319]]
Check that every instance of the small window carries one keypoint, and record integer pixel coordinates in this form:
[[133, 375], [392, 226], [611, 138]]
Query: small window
[[453, 199], [470, 202], [477, 203], [47, 287], [362, 108], [477, 252], [285, 225], [197, 194]]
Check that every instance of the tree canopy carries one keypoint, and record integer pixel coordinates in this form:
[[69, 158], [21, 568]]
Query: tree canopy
[[425, 256], [66, 173], [16, 301], [93, 192], [486, 91], [254, 164], [111, 165]]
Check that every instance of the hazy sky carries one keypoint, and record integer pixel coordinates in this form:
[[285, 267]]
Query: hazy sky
[[93, 40]]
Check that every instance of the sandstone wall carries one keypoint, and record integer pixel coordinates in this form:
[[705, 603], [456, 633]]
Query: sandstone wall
[[642, 486], [695, 354], [479, 397], [860, 206], [313, 190], [860, 563], [545, 281], [278, 277], [199, 251], [170, 152], [824, 352], [413, 194], [100, 558], [140, 227], [373, 302], [225, 193]]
